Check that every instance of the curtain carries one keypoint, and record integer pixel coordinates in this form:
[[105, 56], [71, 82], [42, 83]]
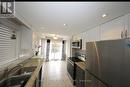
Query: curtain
[[63, 50], [47, 49]]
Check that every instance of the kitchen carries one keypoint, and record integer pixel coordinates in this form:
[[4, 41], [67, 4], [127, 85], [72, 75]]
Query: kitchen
[[83, 48]]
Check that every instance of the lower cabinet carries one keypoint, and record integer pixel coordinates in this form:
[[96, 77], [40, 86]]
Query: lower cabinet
[[80, 77], [91, 81]]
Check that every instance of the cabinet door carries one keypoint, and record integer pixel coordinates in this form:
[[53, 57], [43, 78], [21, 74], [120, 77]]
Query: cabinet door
[[112, 30], [80, 77], [91, 81]]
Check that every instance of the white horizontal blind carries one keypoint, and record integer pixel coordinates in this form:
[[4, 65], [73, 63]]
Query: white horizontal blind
[[7, 45]]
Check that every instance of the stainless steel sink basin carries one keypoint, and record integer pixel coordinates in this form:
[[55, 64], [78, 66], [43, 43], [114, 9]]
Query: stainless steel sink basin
[[15, 81], [27, 69], [22, 70], [17, 76]]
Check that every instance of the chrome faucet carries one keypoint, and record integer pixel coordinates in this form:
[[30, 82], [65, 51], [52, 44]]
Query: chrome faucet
[[7, 71]]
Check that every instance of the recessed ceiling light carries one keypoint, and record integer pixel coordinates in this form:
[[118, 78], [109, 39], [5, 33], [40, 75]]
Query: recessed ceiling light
[[64, 24], [104, 15], [55, 37]]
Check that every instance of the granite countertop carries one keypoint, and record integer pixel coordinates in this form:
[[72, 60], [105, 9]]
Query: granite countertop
[[82, 65]]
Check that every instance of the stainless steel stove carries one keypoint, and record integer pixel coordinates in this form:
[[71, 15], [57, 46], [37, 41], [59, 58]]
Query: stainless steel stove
[[71, 66]]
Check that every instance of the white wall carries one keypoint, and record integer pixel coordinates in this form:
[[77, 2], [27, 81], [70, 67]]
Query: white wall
[[93, 34], [68, 47], [112, 29], [26, 38], [107, 31], [25, 42], [16, 49], [35, 40]]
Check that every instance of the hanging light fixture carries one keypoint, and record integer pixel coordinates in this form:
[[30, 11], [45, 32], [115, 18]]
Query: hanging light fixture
[[55, 37]]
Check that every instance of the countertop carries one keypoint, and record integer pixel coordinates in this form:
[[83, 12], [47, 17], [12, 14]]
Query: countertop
[[38, 62], [82, 65]]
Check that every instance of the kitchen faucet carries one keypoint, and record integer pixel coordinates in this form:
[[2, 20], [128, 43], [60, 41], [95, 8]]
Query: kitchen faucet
[[7, 71]]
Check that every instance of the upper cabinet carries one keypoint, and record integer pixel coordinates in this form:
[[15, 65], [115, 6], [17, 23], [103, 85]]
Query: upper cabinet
[[114, 29], [93, 34]]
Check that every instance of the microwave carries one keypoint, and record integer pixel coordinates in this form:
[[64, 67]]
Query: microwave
[[77, 44]]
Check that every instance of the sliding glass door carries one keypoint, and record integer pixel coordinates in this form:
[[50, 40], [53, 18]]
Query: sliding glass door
[[55, 50]]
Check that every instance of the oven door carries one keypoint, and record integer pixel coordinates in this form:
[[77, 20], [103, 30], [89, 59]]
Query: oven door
[[70, 68]]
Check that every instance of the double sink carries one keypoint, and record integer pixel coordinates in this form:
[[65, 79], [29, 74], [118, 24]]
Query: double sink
[[17, 76]]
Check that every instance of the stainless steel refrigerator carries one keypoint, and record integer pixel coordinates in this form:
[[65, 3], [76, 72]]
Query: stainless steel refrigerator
[[108, 63]]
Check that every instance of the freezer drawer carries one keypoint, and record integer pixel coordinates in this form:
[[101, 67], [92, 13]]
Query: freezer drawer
[[91, 81]]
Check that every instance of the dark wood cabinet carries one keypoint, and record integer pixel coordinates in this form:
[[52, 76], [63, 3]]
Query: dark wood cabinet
[[80, 77]]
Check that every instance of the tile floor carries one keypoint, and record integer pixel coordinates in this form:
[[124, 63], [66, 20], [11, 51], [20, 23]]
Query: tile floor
[[55, 74]]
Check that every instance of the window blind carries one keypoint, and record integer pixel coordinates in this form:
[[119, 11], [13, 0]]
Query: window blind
[[7, 45]]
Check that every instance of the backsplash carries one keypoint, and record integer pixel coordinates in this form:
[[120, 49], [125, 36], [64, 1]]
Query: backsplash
[[26, 53], [81, 54]]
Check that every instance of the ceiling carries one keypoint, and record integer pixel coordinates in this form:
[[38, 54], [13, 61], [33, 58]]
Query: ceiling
[[50, 17]]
